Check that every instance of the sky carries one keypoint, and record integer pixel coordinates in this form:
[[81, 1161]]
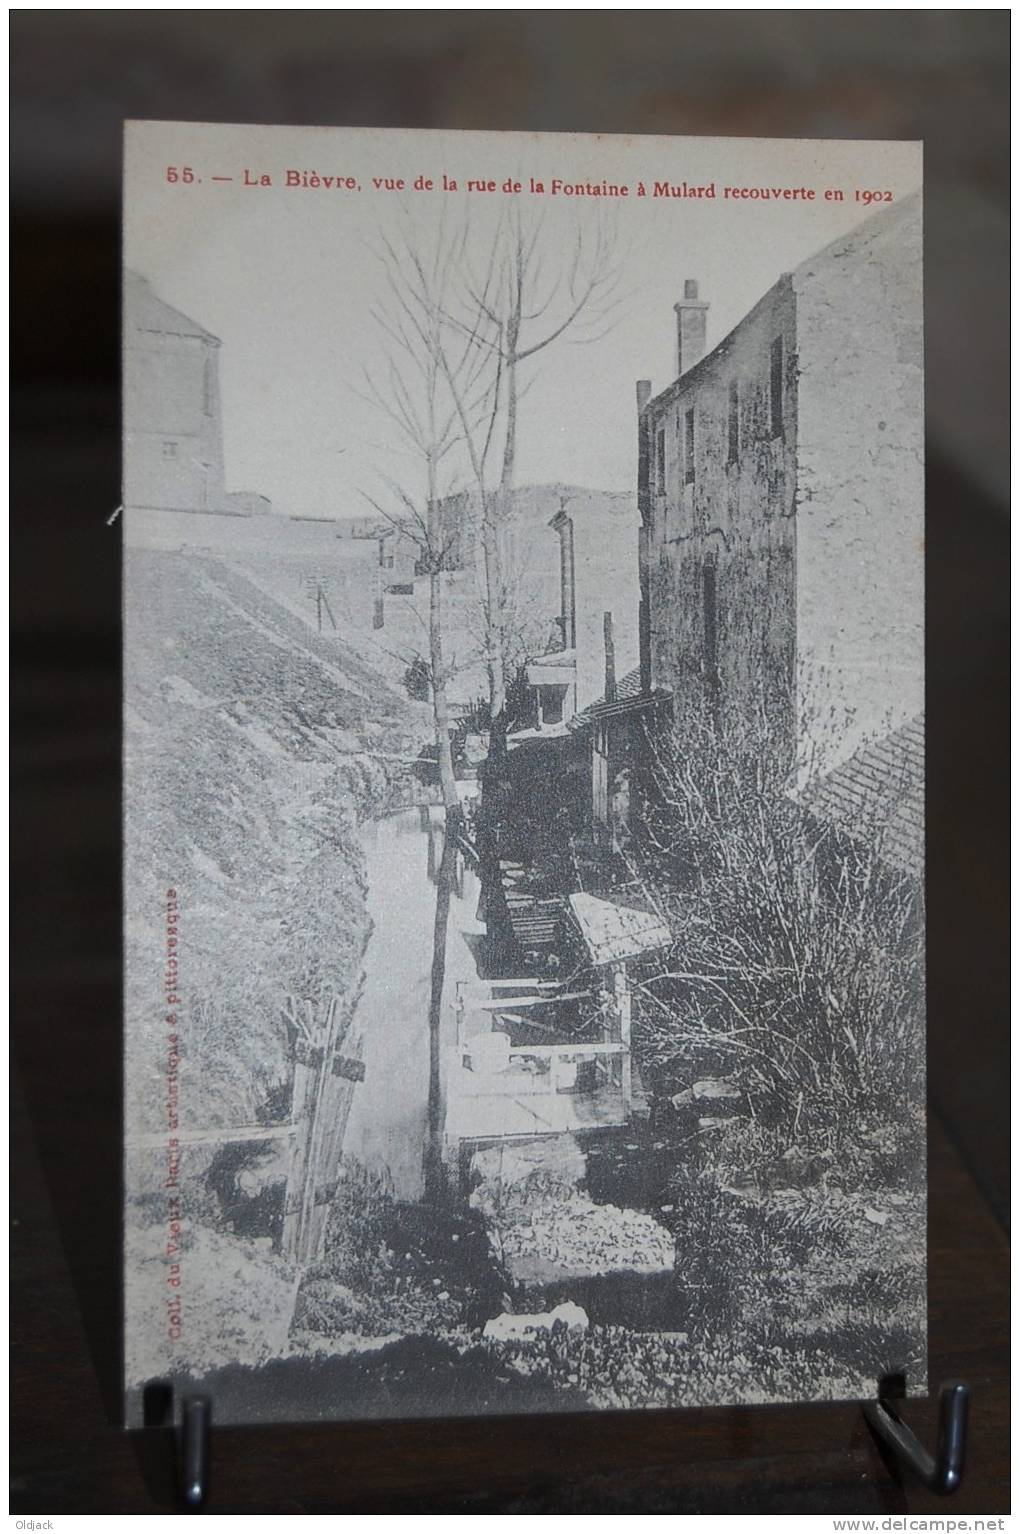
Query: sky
[[288, 277]]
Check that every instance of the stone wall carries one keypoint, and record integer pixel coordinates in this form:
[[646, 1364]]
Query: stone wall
[[860, 488], [717, 503], [781, 494]]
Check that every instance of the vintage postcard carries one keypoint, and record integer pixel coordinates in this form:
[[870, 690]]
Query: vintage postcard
[[524, 884]]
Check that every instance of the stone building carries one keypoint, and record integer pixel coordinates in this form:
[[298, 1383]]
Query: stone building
[[780, 488], [173, 426]]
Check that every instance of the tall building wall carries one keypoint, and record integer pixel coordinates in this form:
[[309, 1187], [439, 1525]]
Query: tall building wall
[[718, 546], [860, 488]]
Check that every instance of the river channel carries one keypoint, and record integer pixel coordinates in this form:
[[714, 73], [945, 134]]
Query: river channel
[[386, 1130]]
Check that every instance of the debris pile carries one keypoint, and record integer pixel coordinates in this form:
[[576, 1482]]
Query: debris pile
[[543, 1226], [509, 1327]]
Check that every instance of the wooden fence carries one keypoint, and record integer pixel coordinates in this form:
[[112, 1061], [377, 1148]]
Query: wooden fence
[[324, 1081]]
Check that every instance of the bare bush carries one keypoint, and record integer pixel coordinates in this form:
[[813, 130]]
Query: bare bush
[[797, 962]]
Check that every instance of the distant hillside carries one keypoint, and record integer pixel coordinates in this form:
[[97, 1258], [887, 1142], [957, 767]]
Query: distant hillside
[[534, 548], [535, 502], [531, 548], [532, 508]]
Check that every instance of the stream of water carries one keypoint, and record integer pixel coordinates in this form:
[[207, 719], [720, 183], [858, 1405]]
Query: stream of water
[[387, 1127]]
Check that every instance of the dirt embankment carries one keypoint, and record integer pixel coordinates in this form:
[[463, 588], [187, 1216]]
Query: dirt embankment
[[253, 747]]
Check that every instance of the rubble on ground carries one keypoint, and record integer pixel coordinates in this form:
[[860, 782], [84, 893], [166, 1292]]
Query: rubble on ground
[[512, 1327], [543, 1227]]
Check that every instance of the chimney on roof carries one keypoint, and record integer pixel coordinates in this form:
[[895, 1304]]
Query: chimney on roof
[[644, 393], [691, 324]]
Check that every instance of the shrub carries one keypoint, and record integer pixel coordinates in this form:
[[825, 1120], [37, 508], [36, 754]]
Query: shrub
[[797, 963]]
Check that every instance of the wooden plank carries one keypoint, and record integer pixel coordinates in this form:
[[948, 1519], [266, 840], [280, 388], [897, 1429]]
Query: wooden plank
[[537, 985], [567, 1051], [500, 1003]]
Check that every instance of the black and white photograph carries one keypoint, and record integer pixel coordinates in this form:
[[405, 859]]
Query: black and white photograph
[[524, 758], [509, 626]]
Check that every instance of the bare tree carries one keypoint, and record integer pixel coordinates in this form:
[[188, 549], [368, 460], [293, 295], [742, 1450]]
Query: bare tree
[[529, 293], [797, 965], [466, 312], [435, 384]]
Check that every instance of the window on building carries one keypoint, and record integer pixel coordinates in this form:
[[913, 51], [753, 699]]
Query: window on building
[[169, 449], [776, 386], [551, 703], [207, 386], [733, 423], [689, 447], [660, 461]]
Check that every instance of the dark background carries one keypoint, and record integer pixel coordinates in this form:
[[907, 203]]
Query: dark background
[[940, 76]]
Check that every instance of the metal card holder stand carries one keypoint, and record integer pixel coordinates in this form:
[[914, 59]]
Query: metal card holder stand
[[194, 1451], [190, 1437], [941, 1472]]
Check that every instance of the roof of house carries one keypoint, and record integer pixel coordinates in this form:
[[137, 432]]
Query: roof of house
[[614, 932], [144, 311], [877, 795], [564, 660], [629, 686], [628, 697]]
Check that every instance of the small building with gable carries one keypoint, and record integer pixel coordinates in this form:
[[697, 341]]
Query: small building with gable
[[173, 423]]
